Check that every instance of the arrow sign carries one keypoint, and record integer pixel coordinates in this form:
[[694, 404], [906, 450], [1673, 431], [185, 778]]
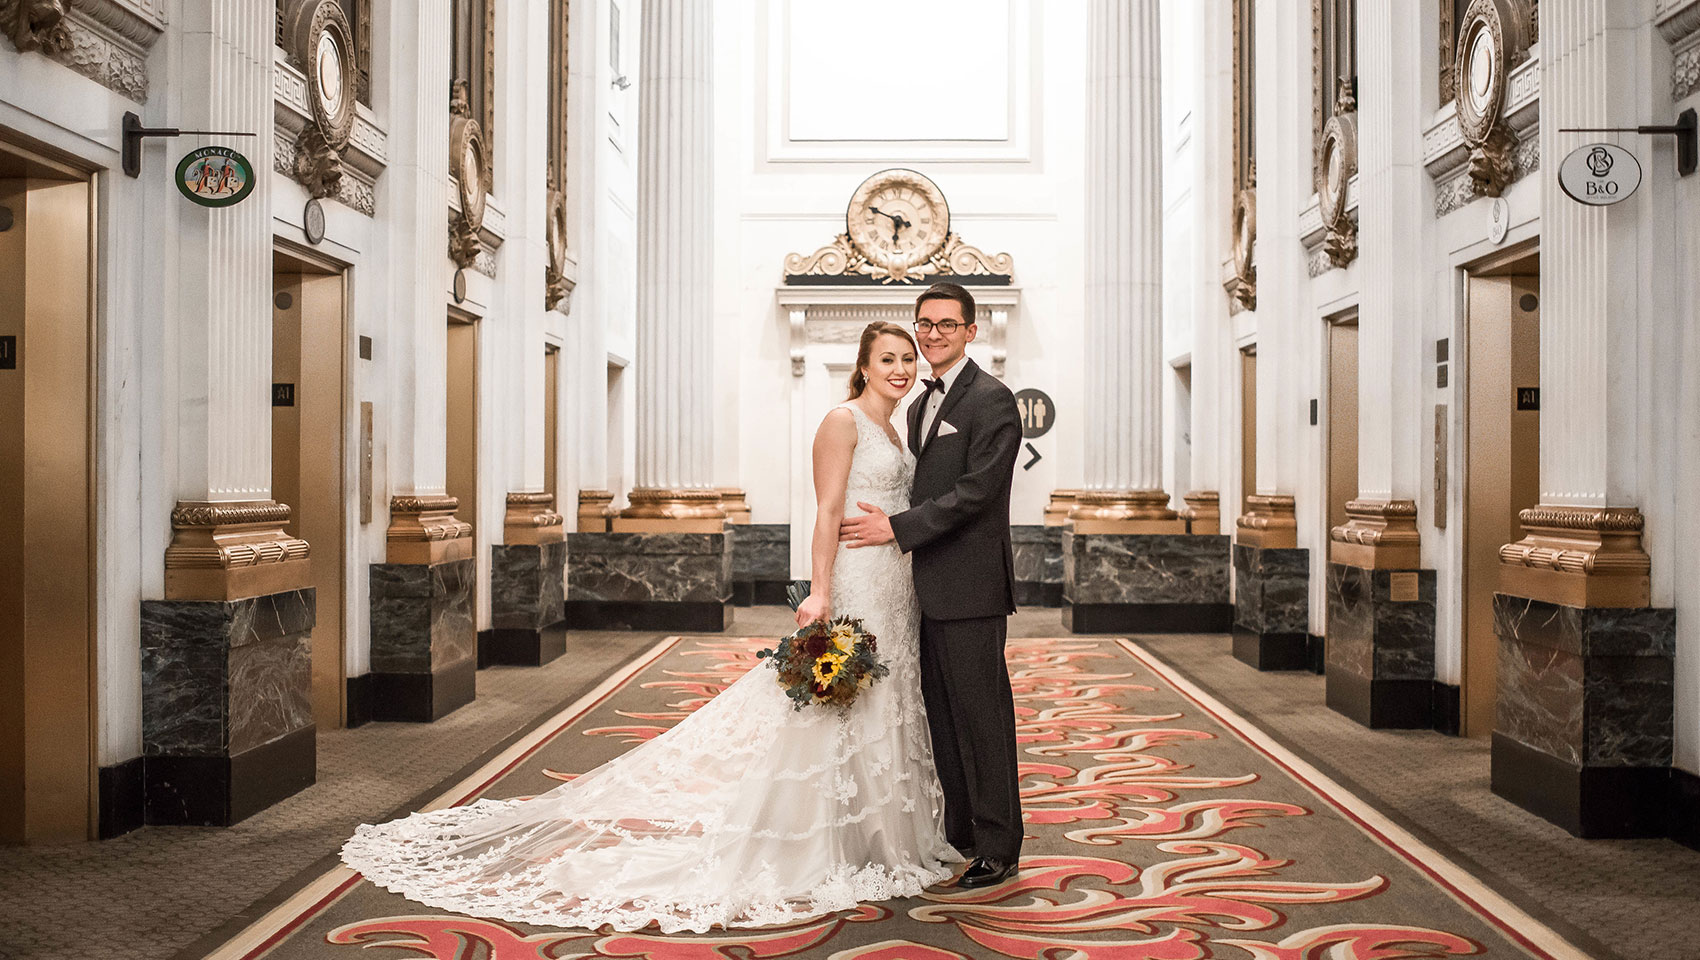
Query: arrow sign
[[1036, 457]]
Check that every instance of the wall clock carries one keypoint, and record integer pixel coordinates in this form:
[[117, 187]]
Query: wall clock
[[897, 220]]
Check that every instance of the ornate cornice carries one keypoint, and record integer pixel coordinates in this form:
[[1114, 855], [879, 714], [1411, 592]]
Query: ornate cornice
[[301, 157], [1579, 556], [1679, 24], [107, 41], [1446, 156], [229, 550], [1379, 534]]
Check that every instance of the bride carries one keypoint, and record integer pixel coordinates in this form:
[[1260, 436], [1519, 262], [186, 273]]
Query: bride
[[747, 813]]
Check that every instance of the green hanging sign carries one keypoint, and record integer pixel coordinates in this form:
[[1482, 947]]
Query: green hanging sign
[[215, 177]]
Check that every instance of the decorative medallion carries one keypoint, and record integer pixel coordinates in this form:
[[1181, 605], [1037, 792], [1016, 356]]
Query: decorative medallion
[[215, 176], [468, 161], [1339, 163], [897, 219], [1599, 174], [897, 230], [37, 25], [558, 286], [319, 38], [1243, 285], [1491, 30], [313, 221]]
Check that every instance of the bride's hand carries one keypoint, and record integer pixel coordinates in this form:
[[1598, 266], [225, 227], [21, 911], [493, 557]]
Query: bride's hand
[[814, 607]]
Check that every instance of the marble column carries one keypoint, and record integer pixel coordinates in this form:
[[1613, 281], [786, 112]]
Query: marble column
[[675, 507], [1380, 642], [1127, 561], [228, 729], [423, 655], [1582, 734]]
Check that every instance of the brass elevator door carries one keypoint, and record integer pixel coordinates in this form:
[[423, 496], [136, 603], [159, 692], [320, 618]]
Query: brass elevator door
[[1503, 462], [461, 447], [1248, 425], [309, 343], [1342, 418], [47, 711]]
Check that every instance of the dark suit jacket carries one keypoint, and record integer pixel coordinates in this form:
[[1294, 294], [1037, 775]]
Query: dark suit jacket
[[958, 526]]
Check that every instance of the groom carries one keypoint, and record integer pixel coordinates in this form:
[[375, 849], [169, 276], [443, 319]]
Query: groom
[[965, 432]]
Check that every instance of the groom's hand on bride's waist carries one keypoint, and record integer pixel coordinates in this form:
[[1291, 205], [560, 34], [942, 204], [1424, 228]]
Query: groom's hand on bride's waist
[[868, 530]]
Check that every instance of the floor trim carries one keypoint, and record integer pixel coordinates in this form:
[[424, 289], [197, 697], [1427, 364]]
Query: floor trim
[[281, 921], [1494, 908]]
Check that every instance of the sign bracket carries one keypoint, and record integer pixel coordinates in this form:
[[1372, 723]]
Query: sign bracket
[[1686, 129], [134, 132]]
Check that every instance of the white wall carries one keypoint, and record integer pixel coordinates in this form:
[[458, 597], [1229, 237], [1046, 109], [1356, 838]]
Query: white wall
[[776, 195]]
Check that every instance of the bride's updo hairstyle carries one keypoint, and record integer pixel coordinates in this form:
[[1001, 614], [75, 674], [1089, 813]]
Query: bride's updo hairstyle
[[864, 353]]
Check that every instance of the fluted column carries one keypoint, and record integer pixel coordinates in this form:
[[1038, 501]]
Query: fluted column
[[223, 335], [674, 486], [1591, 296], [1124, 264], [1212, 343], [1392, 350]]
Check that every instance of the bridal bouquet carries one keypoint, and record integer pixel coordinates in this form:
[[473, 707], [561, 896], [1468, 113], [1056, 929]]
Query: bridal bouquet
[[828, 662]]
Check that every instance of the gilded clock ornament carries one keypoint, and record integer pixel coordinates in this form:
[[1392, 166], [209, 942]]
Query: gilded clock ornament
[[468, 161], [1489, 34], [1339, 162], [897, 230]]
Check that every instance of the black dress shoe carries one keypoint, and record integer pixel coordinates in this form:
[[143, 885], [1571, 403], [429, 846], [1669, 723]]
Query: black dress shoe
[[986, 872]]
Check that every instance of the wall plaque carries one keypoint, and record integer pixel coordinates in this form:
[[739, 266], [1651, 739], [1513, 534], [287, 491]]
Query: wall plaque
[[8, 353], [1528, 398], [283, 394], [1038, 413], [1599, 174], [215, 177]]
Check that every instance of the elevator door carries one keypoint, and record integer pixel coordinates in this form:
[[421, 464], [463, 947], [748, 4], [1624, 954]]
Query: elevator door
[[309, 342], [1342, 418], [1248, 425], [46, 603], [1502, 466], [461, 448]]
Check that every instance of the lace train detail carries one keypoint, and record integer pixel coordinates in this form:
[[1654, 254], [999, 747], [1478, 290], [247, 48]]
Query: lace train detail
[[746, 813]]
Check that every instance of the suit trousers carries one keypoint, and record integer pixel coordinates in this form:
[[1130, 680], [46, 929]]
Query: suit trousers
[[971, 716]]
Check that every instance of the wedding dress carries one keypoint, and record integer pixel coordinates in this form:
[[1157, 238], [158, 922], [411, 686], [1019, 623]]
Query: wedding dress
[[747, 813]]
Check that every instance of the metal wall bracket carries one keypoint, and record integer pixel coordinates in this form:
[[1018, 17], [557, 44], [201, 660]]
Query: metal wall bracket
[[134, 133], [1686, 129]]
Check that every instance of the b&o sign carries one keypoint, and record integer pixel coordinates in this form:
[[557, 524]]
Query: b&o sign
[[1599, 174]]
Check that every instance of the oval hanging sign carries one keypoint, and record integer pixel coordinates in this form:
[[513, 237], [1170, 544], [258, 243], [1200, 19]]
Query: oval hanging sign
[[215, 176], [1599, 174]]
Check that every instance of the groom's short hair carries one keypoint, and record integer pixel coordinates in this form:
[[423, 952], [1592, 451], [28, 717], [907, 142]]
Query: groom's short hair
[[946, 290]]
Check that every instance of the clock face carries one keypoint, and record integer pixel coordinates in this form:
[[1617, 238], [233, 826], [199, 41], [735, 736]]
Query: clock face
[[897, 219]]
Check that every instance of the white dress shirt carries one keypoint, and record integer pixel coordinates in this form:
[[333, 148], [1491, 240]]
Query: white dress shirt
[[935, 400]]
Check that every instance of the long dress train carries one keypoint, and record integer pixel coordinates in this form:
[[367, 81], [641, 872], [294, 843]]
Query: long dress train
[[746, 813]]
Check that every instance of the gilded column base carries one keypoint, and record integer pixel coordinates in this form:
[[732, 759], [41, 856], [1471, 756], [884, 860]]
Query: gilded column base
[[654, 510], [732, 503], [232, 550], [1203, 512], [1380, 535], [1124, 511], [531, 519], [1056, 512], [424, 530], [594, 510], [1269, 523], [1578, 557]]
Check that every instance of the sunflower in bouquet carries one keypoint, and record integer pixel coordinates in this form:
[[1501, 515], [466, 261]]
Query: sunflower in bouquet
[[828, 662]]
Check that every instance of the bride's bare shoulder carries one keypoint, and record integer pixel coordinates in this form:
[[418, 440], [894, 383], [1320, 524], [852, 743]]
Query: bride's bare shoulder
[[838, 426]]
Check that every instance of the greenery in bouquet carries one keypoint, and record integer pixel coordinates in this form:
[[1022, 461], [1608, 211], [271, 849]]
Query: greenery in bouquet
[[828, 662]]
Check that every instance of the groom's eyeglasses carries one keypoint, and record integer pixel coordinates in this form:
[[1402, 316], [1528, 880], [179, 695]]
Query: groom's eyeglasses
[[946, 327]]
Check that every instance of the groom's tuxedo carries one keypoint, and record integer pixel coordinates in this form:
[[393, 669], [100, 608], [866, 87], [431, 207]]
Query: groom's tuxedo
[[957, 531]]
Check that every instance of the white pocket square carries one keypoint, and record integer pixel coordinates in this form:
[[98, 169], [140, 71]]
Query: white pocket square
[[945, 429]]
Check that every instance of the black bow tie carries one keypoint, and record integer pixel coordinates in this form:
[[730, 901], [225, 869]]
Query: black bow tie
[[937, 383]]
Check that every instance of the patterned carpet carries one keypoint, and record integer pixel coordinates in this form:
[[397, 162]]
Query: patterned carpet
[[1161, 827]]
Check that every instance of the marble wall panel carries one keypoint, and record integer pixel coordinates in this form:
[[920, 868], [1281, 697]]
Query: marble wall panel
[[454, 629], [760, 551], [1145, 568], [1271, 589], [649, 567], [221, 677], [1351, 621], [401, 618], [527, 585], [1590, 686], [1038, 553]]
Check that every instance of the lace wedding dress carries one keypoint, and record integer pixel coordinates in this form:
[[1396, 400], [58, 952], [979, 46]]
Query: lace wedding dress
[[747, 813]]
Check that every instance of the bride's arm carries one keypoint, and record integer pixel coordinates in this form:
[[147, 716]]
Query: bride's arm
[[835, 444]]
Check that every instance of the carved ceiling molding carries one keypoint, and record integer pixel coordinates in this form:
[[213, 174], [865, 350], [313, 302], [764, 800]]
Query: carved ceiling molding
[[106, 41], [1314, 232], [955, 259], [1679, 24]]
